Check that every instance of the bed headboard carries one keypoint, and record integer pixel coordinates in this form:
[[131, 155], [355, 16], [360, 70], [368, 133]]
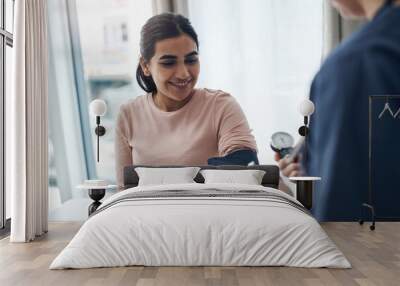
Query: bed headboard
[[270, 179]]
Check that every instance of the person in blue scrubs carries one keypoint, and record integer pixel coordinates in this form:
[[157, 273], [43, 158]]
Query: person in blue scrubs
[[367, 63]]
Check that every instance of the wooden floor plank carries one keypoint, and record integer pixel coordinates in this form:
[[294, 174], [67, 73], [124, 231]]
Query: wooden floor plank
[[374, 255]]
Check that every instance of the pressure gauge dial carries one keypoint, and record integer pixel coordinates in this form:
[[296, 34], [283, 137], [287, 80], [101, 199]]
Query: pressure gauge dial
[[282, 143]]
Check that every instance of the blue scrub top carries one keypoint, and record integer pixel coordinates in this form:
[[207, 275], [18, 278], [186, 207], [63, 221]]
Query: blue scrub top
[[367, 63]]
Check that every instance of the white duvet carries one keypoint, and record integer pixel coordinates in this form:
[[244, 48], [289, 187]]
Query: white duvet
[[200, 231]]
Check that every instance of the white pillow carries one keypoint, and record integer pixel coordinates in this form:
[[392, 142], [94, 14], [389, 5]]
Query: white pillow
[[163, 176], [248, 177]]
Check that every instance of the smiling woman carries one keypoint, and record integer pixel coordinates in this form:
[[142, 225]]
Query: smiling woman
[[175, 123], [174, 69]]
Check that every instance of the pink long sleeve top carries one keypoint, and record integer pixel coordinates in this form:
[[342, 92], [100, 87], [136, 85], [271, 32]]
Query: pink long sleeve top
[[211, 124]]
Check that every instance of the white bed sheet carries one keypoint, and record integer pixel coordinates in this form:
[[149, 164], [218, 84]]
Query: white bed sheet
[[200, 231]]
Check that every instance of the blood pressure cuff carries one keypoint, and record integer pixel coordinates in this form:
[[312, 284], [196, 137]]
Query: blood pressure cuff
[[240, 157]]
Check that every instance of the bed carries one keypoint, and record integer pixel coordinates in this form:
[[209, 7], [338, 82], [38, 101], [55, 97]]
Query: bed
[[201, 224]]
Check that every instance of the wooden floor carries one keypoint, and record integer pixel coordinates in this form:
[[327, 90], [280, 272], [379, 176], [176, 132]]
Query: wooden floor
[[375, 257]]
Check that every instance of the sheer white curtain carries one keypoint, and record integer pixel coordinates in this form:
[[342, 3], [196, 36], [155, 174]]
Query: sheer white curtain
[[265, 53], [27, 123]]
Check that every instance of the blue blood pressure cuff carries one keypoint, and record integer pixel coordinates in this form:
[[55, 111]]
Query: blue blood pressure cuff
[[243, 157]]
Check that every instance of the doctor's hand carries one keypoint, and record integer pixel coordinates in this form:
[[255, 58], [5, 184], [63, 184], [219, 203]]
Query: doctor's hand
[[288, 167]]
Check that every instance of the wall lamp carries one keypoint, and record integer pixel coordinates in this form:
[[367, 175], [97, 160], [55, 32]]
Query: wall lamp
[[98, 108]]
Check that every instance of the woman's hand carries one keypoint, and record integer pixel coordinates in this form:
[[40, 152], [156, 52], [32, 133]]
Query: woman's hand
[[288, 167]]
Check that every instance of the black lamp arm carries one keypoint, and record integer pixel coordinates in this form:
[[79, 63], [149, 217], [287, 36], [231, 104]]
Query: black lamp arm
[[100, 131]]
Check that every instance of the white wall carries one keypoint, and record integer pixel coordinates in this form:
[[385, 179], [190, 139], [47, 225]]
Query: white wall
[[265, 53]]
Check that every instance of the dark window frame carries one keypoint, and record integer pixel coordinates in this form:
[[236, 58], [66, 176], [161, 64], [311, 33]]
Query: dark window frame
[[6, 39], [80, 85]]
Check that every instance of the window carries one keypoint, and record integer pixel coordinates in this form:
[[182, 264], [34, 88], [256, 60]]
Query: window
[[6, 43], [265, 53], [109, 36], [94, 49]]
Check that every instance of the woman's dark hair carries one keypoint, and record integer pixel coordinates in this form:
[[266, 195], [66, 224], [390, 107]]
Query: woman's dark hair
[[157, 28]]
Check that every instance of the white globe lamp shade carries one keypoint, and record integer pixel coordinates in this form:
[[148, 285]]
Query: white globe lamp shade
[[306, 107], [98, 107]]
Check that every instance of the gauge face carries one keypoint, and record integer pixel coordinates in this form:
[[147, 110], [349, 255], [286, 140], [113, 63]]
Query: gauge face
[[281, 140]]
